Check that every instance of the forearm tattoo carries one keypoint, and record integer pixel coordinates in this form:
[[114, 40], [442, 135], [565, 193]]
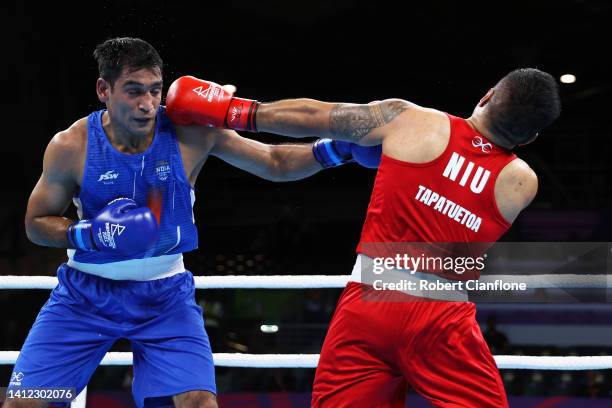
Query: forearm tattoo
[[354, 122]]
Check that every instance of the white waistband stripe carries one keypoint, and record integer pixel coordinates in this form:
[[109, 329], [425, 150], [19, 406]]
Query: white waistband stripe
[[134, 269]]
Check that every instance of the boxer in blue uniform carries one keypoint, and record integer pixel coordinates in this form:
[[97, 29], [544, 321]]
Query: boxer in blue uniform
[[130, 173]]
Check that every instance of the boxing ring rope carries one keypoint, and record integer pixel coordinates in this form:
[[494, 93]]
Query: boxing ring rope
[[564, 281], [335, 281], [339, 281], [311, 360]]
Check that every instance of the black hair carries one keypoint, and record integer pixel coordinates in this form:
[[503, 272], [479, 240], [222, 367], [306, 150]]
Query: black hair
[[132, 53], [524, 102]]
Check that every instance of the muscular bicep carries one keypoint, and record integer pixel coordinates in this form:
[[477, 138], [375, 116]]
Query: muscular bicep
[[49, 197], [57, 184]]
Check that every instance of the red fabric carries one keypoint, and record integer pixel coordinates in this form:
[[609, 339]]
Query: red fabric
[[377, 344], [395, 214]]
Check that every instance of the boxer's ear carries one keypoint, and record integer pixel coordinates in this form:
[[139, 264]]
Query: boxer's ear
[[485, 99], [103, 89]]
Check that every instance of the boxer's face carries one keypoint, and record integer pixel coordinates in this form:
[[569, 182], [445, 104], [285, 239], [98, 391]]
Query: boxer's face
[[133, 100]]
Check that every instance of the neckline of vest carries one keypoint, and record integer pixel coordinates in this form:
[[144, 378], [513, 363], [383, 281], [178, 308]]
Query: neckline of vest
[[102, 133]]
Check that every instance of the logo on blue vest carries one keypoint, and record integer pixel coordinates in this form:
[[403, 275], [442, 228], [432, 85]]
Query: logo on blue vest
[[109, 177], [162, 169]]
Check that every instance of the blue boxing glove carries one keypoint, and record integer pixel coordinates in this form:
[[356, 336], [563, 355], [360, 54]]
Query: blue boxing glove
[[367, 156], [121, 227], [332, 153]]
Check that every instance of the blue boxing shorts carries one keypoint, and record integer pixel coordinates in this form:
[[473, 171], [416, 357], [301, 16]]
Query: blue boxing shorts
[[86, 314]]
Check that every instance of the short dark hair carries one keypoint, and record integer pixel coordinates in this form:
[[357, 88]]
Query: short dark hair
[[132, 53], [525, 102]]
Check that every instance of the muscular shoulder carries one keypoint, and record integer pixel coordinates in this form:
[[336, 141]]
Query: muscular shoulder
[[66, 150], [199, 138], [399, 113], [419, 135], [200, 141], [519, 179], [515, 188], [71, 140], [195, 144]]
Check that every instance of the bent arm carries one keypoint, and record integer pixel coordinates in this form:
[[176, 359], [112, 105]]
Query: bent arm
[[272, 162], [52, 195], [363, 124]]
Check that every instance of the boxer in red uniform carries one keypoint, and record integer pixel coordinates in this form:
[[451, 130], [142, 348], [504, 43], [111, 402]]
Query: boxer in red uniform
[[441, 179]]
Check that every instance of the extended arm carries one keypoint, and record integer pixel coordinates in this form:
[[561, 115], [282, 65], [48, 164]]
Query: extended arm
[[271, 162], [362, 124], [195, 102]]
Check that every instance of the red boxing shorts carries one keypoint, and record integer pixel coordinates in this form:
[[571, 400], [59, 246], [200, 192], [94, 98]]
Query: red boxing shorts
[[380, 341]]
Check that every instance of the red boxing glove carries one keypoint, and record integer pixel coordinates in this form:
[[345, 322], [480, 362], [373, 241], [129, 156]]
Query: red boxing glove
[[193, 101]]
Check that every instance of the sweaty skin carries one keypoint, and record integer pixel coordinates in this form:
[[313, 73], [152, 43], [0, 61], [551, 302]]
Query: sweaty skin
[[407, 132], [133, 101]]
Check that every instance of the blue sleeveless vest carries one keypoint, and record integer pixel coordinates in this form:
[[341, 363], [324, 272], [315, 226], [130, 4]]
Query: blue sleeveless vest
[[110, 174]]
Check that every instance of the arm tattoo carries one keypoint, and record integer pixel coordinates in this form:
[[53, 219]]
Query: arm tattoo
[[354, 122]]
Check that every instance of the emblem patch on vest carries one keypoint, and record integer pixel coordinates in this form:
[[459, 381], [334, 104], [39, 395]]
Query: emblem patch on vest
[[162, 169]]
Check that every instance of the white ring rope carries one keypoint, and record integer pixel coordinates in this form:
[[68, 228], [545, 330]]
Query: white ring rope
[[327, 281], [339, 281], [311, 360], [207, 282]]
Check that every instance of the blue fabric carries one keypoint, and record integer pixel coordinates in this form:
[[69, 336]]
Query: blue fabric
[[110, 174], [86, 314]]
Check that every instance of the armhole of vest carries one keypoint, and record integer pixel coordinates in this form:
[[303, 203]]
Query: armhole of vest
[[451, 136], [86, 164], [177, 151], [496, 211]]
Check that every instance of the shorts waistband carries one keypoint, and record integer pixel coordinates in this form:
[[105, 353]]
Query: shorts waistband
[[145, 269]]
